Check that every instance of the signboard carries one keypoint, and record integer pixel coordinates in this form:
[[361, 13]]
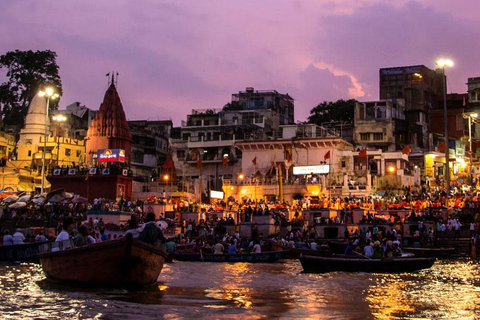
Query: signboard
[[303, 170], [111, 155], [459, 150], [216, 194]]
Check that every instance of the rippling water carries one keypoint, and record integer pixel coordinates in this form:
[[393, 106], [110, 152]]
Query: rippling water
[[450, 289]]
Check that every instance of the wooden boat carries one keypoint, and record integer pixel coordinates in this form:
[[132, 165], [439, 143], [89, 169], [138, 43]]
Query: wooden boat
[[312, 264], [122, 262], [20, 252], [440, 253], [295, 253], [270, 256]]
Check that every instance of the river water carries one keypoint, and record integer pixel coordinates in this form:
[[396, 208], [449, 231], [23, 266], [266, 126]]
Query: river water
[[188, 290]]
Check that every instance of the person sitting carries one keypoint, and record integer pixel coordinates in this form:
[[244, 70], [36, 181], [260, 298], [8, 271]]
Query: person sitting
[[80, 239], [368, 250], [18, 237], [257, 248], [67, 228], [232, 249], [218, 248], [151, 233], [349, 249], [7, 238], [41, 237], [103, 235], [171, 246]]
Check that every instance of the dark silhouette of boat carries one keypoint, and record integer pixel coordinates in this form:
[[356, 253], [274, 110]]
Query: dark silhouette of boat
[[314, 264], [440, 253], [270, 256], [26, 252], [122, 262]]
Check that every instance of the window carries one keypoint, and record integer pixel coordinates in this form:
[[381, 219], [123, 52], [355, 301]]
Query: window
[[378, 136], [344, 164], [365, 136], [180, 154], [29, 153], [79, 153], [473, 95], [68, 152]]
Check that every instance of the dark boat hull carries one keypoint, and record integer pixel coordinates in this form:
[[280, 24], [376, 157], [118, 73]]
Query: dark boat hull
[[295, 253], [270, 256], [20, 252], [312, 264], [123, 262], [440, 253]]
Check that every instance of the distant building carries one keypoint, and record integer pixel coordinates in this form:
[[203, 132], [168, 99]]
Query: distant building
[[381, 124], [421, 89], [76, 122]]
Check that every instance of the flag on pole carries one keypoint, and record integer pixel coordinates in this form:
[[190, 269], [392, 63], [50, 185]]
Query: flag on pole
[[441, 147], [199, 163], [254, 161], [407, 150], [327, 155], [168, 163], [225, 161], [363, 153]]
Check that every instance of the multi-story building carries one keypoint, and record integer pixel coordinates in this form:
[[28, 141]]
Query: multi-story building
[[204, 145], [149, 152], [420, 88], [381, 124], [74, 123]]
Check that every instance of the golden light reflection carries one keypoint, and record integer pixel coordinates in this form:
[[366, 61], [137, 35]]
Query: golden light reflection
[[440, 292], [162, 287], [235, 287]]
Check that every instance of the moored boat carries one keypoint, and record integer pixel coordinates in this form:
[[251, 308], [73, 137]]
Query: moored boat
[[440, 253], [313, 264], [270, 256], [122, 262], [26, 252]]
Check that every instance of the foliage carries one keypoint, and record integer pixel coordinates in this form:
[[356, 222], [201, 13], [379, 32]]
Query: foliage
[[27, 73], [340, 110], [234, 105]]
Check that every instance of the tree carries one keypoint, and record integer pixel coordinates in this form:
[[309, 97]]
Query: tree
[[340, 110], [27, 73]]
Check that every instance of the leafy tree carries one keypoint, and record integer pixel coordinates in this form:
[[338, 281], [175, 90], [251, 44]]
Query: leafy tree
[[234, 105], [340, 110], [27, 73]]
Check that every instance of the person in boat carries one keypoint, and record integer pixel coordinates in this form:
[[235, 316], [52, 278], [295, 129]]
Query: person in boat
[[349, 249], [67, 228], [377, 250], [170, 246], [368, 250], [256, 247], [80, 238], [218, 248], [232, 249], [18, 237], [41, 237], [103, 235], [7, 238], [151, 233]]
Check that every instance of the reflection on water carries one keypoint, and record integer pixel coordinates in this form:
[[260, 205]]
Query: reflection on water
[[449, 289]]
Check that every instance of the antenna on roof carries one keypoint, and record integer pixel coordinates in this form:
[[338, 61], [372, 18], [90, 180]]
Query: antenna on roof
[[117, 80], [108, 75]]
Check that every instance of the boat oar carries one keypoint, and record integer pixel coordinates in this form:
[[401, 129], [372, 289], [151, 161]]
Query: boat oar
[[362, 255]]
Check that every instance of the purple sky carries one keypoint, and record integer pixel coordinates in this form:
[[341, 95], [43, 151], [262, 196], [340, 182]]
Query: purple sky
[[175, 56]]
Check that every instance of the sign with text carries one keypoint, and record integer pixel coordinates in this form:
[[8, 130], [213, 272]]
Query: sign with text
[[216, 194], [303, 170], [111, 155]]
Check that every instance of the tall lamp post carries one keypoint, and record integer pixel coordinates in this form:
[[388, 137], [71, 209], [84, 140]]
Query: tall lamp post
[[442, 63], [58, 118], [470, 116], [50, 94]]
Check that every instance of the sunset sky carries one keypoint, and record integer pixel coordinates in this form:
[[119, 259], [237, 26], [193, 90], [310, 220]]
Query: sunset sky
[[175, 56]]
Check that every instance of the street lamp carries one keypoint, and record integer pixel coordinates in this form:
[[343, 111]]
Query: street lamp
[[58, 118], [50, 94], [470, 116], [442, 63]]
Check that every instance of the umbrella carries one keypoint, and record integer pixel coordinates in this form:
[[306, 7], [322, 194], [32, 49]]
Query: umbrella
[[17, 205], [79, 200], [24, 199], [56, 198], [38, 200], [10, 199]]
